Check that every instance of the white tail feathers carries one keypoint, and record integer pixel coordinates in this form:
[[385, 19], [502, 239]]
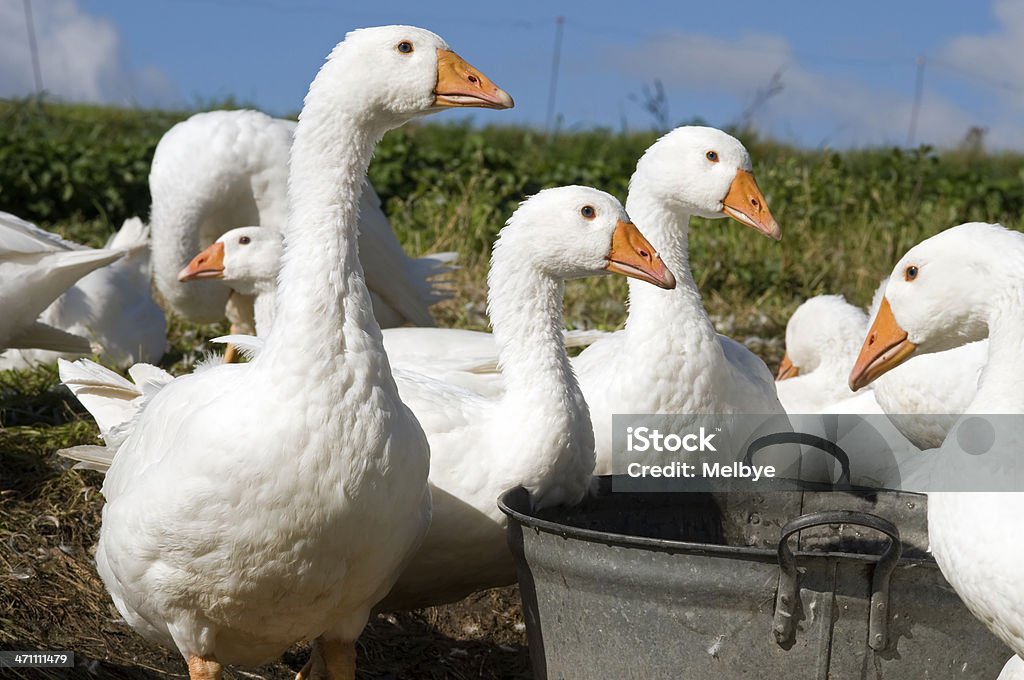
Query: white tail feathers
[[90, 457], [583, 337], [435, 271], [113, 401], [132, 237], [247, 345]]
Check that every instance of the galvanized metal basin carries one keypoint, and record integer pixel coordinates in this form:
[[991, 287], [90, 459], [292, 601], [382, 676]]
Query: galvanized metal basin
[[703, 585]]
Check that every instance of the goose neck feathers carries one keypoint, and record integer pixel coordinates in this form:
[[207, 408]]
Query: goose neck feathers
[[322, 283], [652, 310]]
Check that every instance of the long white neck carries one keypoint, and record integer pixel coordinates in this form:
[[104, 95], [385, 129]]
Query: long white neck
[[1001, 387], [652, 310], [323, 314], [525, 307], [555, 451]]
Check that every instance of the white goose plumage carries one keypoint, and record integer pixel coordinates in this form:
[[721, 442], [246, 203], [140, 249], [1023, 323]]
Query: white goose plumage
[[669, 359], [223, 169], [823, 337], [538, 432], [922, 397], [253, 505], [112, 307], [36, 267], [959, 286]]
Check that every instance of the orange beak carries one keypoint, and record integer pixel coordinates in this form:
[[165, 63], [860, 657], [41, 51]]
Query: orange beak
[[745, 204], [885, 348], [786, 369], [208, 264], [632, 255], [459, 84]]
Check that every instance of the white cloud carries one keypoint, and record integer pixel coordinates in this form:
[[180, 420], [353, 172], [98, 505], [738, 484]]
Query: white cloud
[[80, 57], [995, 58], [846, 109], [994, 61]]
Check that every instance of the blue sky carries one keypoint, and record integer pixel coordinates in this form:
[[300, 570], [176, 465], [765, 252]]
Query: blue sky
[[847, 70]]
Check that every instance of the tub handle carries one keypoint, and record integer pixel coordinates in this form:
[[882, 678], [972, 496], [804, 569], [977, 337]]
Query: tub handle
[[805, 439], [783, 627]]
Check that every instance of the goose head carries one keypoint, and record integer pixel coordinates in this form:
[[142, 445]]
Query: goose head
[[941, 295], [244, 258], [705, 172], [573, 232], [823, 331], [399, 73]]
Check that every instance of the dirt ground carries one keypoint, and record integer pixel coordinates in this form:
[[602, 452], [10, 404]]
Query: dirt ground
[[52, 599]]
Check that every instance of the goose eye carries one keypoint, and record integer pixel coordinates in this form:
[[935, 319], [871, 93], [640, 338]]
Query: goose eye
[[245, 240], [712, 156], [405, 47], [910, 273], [588, 212]]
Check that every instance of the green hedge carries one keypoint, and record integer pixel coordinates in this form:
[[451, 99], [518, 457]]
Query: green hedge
[[453, 186]]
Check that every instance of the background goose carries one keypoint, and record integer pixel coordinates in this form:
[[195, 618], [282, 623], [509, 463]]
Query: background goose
[[253, 505], [959, 286], [537, 433], [822, 339], [225, 169], [35, 268], [112, 307], [669, 359]]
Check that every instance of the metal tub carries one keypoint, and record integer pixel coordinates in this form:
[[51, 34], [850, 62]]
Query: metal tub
[[795, 584]]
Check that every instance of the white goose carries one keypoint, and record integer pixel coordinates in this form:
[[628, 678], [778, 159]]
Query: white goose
[[224, 169], [669, 359], [257, 504], [112, 307], [962, 285], [538, 433], [247, 260], [822, 339], [35, 268]]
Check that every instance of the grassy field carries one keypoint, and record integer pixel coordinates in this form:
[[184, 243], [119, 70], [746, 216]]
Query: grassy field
[[846, 216]]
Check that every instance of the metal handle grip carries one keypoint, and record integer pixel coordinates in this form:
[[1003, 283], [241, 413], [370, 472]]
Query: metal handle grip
[[783, 627], [805, 439]]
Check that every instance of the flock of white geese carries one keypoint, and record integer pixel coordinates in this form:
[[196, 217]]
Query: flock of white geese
[[345, 470]]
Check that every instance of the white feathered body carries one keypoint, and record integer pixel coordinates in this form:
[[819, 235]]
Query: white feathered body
[[302, 550]]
